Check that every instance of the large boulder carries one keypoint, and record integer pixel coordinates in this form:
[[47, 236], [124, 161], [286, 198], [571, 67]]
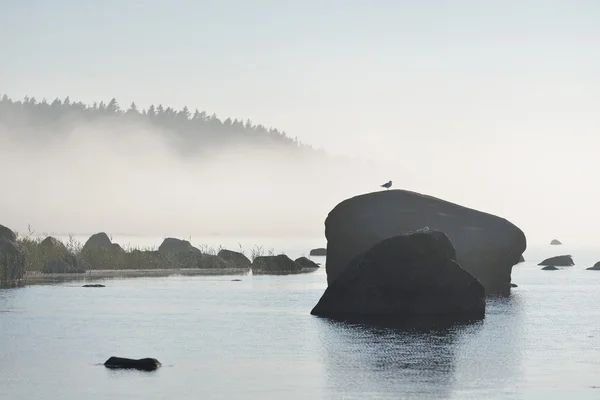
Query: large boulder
[[306, 263], [486, 245], [12, 260], [275, 264], [7, 234], [235, 258], [555, 242], [98, 241], [61, 267], [52, 249], [406, 276], [559, 261], [596, 267], [172, 245], [318, 252]]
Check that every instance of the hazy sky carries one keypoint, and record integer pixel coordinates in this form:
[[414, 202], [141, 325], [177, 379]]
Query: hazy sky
[[490, 104]]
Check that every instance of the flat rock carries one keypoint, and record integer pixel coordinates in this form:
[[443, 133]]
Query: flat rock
[[322, 252], [275, 264], [143, 364], [549, 268], [306, 263], [559, 261]]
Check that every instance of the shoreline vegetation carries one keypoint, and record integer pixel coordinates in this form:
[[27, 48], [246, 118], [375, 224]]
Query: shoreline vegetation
[[36, 260]]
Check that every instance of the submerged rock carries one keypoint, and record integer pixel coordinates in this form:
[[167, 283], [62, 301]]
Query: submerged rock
[[555, 242], [549, 268], [235, 258], [486, 245], [95, 285], [559, 261], [318, 252], [306, 263], [143, 364], [596, 267], [172, 245], [275, 264], [12, 258], [406, 276]]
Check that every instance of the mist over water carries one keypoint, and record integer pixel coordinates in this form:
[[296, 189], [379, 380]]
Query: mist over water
[[133, 178]]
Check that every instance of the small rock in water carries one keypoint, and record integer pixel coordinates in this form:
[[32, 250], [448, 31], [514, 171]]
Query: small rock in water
[[94, 285], [559, 261], [236, 280], [549, 268], [143, 364], [513, 285], [596, 267], [555, 242]]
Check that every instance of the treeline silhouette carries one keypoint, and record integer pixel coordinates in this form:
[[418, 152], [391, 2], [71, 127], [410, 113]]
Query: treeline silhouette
[[191, 132]]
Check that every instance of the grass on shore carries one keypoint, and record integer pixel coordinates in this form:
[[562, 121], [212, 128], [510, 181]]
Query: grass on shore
[[40, 251]]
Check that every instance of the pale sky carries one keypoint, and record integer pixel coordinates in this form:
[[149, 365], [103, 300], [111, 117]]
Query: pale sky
[[493, 105]]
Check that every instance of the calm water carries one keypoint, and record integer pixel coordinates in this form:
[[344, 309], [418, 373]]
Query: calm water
[[255, 339]]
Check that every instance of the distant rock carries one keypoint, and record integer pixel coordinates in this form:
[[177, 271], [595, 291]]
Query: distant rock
[[306, 263], [144, 364], [596, 267], [235, 258], [52, 249], [172, 245], [486, 245], [12, 258], [95, 285], [97, 241], [275, 264], [559, 261], [555, 242], [61, 267], [318, 252], [406, 276], [7, 234], [549, 268], [116, 248]]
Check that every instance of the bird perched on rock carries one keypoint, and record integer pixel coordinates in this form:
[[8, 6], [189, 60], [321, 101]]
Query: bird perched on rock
[[387, 185]]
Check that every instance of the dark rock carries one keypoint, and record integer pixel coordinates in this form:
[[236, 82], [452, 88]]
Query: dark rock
[[406, 276], [318, 252], [12, 261], [596, 267], [61, 267], [486, 245], [7, 234], [172, 245], [235, 258], [275, 264], [513, 285], [116, 248], [53, 249], [559, 261], [555, 242], [94, 285], [236, 280], [549, 268], [521, 259], [98, 241], [306, 263], [143, 364]]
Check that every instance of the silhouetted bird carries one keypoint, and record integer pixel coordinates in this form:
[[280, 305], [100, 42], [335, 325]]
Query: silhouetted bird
[[387, 185]]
